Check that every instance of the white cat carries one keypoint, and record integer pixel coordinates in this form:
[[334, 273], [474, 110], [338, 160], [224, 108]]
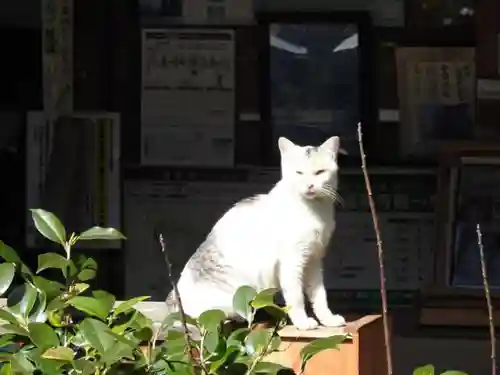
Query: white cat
[[274, 240]]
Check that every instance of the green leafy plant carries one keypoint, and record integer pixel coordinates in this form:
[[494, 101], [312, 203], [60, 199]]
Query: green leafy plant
[[54, 327], [430, 370]]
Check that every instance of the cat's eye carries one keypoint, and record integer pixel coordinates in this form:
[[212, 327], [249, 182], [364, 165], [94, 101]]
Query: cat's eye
[[321, 171], [299, 172]]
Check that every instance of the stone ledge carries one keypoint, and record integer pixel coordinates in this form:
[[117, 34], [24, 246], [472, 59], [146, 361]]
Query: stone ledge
[[156, 311]]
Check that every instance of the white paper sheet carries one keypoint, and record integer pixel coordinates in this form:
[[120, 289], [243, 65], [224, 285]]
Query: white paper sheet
[[188, 102]]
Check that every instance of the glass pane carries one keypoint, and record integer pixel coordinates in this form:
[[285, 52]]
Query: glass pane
[[478, 201], [314, 82]]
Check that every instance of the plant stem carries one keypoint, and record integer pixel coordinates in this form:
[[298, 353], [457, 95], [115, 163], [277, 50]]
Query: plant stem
[[68, 281], [261, 356], [486, 287], [383, 292], [189, 343]]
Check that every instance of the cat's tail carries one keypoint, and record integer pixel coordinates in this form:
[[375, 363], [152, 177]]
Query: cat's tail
[[173, 307]]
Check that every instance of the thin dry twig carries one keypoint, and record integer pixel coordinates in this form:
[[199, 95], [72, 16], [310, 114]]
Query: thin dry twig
[[486, 287], [383, 292], [189, 342]]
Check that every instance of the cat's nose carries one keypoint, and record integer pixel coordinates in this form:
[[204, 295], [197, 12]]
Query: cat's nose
[[310, 187]]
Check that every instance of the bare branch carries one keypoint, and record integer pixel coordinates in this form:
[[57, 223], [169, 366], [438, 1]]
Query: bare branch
[[191, 348], [383, 292], [486, 287]]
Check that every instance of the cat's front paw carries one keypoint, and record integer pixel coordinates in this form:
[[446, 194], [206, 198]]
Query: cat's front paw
[[306, 324], [333, 320]]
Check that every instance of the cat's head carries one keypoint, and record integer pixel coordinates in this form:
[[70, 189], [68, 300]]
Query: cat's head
[[311, 171]]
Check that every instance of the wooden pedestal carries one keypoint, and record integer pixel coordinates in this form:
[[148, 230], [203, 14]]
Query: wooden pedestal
[[364, 354]]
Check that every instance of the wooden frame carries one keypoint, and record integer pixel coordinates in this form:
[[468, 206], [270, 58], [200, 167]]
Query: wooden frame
[[248, 150], [445, 304], [368, 109]]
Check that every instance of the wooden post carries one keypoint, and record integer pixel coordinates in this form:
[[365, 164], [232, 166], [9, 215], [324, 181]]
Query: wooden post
[[487, 64], [362, 354]]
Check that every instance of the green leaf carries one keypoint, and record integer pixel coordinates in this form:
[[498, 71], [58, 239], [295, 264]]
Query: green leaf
[[5, 340], [56, 304], [99, 233], [264, 298], [14, 328], [22, 299], [8, 253], [210, 320], [91, 306], [79, 288], [72, 268], [96, 334], [241, 302], [84, 366], [61, 353], [6, 369], [7, 272], [51, 288], [127, 305], [174, 317], [424, 370], [257, 341], [43, 335], [21, 365], [87, 268], [39, 313], [128, 339], [52, 260], [318, 345], [453, 372], [176, 350], [140, 321], [229, 356], [44, 366], [143, 334], [213, 343], [237, 337], [116, 353], [125, 323], [49, 225], [106, 298], [8, 317], [56, 318]]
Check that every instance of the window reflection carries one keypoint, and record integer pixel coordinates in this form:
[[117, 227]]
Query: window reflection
[[314, 82], [478, 201]]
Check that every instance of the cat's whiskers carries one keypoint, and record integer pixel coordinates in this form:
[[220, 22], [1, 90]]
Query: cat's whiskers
[[332, 193]]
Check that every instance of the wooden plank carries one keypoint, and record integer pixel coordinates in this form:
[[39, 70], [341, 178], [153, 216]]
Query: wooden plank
[[457, 317]]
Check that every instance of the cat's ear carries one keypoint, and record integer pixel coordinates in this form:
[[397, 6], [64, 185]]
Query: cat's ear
[[285, 144], [332, 145]]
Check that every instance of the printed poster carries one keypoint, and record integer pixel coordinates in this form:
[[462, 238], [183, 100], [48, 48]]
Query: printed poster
[[437, 94], [188, 98]]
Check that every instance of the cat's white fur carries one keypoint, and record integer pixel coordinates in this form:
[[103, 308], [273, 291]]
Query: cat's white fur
[[277, 240]]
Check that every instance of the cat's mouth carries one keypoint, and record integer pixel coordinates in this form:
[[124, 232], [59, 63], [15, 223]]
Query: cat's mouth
[[310, 194]]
